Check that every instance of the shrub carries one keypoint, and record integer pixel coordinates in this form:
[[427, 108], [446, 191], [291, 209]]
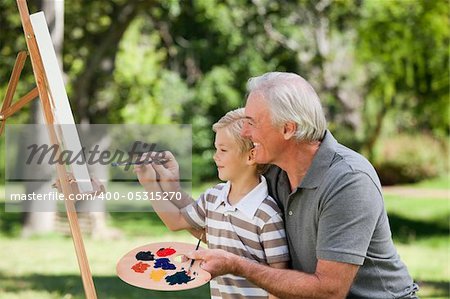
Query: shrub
[[203, 168], [410, 158]]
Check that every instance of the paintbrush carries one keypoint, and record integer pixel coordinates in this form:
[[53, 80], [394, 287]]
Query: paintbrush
[[156, 161], [196, 248]]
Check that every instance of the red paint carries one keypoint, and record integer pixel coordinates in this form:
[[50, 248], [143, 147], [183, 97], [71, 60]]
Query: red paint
[[140, 267], [165, 252]]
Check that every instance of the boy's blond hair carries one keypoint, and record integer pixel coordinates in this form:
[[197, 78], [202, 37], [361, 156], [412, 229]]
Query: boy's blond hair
[[233, 122]]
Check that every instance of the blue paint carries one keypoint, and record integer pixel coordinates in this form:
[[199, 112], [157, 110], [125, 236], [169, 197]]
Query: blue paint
[[178, 278], [164, 263]]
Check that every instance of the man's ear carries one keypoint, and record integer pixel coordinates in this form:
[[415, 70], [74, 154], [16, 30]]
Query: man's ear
[[289, 130]]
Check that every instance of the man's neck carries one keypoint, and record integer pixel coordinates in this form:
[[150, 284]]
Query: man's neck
[[296, 161], [241, 186]]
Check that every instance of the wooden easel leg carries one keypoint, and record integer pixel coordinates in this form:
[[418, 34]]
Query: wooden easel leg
[[34, 93], [77, 238], [12, 85], [41, 82]]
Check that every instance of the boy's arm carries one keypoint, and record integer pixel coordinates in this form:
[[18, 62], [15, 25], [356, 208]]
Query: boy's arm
[[166, 209], [168, 181], [170, 214], [198, 233]]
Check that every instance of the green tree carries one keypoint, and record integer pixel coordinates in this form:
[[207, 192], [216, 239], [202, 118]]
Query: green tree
[[404, 48], [377, 65]]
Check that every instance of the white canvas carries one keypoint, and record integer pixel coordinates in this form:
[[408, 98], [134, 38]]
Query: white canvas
[[60, 104]]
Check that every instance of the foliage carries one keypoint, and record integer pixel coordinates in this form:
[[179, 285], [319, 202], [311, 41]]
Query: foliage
[[404, 47], [380, 67], [410, 158]]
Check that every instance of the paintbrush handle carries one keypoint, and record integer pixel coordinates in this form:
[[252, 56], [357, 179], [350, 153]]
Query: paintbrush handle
[[160, 161], [196, 248], [190, 266]]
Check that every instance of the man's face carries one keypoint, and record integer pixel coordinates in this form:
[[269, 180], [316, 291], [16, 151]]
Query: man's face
[[267, 138]]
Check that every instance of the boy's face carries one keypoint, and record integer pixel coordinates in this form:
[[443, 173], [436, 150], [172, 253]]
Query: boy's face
[[230, 161]]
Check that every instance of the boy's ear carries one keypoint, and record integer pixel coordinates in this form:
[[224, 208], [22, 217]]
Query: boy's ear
[[289, 130], [251, 157]]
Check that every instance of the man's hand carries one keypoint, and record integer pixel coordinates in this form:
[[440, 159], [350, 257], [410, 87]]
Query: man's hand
[[215, 261]]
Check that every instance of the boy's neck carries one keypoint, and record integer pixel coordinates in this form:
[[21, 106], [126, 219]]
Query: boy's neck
[[241, 186]]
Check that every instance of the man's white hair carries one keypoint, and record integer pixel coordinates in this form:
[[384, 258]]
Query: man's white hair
[[291, 98]]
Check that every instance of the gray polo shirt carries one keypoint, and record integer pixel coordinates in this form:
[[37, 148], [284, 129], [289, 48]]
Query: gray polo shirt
[[337, 213]]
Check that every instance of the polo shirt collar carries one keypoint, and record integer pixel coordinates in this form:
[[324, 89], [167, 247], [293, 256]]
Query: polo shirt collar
[[321, 162], [249, 204]]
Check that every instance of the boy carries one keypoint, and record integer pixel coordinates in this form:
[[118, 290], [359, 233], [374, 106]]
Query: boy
[[238, 216]]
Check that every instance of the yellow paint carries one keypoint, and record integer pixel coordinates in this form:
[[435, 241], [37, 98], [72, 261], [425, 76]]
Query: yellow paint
[[157, 275]]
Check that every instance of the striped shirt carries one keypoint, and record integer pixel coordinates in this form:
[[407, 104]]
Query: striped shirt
[[253, 228]]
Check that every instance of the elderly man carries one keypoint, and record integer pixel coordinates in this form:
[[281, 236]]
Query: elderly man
[[337, 228]]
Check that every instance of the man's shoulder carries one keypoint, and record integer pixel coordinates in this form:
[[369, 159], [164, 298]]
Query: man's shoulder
[[348, 162]]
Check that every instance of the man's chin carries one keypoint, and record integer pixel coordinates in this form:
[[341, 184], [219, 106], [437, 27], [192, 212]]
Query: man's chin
[[261, 160], [264, 160]]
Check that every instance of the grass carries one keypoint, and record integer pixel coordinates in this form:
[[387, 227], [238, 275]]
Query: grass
[[441, 182], [45, 267]]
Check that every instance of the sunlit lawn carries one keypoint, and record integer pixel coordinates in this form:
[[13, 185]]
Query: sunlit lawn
[[46, 267]]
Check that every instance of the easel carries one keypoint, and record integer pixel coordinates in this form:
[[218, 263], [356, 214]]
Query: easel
[[64, 182]]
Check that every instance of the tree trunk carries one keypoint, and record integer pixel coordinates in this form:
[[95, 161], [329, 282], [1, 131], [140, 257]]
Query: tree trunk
[[44, 221]]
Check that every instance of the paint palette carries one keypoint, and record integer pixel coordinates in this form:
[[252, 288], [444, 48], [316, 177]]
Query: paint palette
[[158, 266]]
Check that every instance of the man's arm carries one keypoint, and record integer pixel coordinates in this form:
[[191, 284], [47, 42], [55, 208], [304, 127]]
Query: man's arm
[[282, 265], [331, 279]]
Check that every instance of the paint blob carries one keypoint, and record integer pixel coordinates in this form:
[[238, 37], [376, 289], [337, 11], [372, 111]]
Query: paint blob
[[162, 252], [164, 263], [145, 256], [157, 275], [178, 278], [140, 267]]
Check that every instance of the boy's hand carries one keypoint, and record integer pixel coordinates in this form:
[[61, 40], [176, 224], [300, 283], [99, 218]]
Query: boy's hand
[[146, 175], [168, 173]]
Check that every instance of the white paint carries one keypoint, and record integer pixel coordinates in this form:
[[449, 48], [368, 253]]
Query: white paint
[[59, 100]]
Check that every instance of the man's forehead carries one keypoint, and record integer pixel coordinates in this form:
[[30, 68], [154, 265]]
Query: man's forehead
[[255, 106]]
